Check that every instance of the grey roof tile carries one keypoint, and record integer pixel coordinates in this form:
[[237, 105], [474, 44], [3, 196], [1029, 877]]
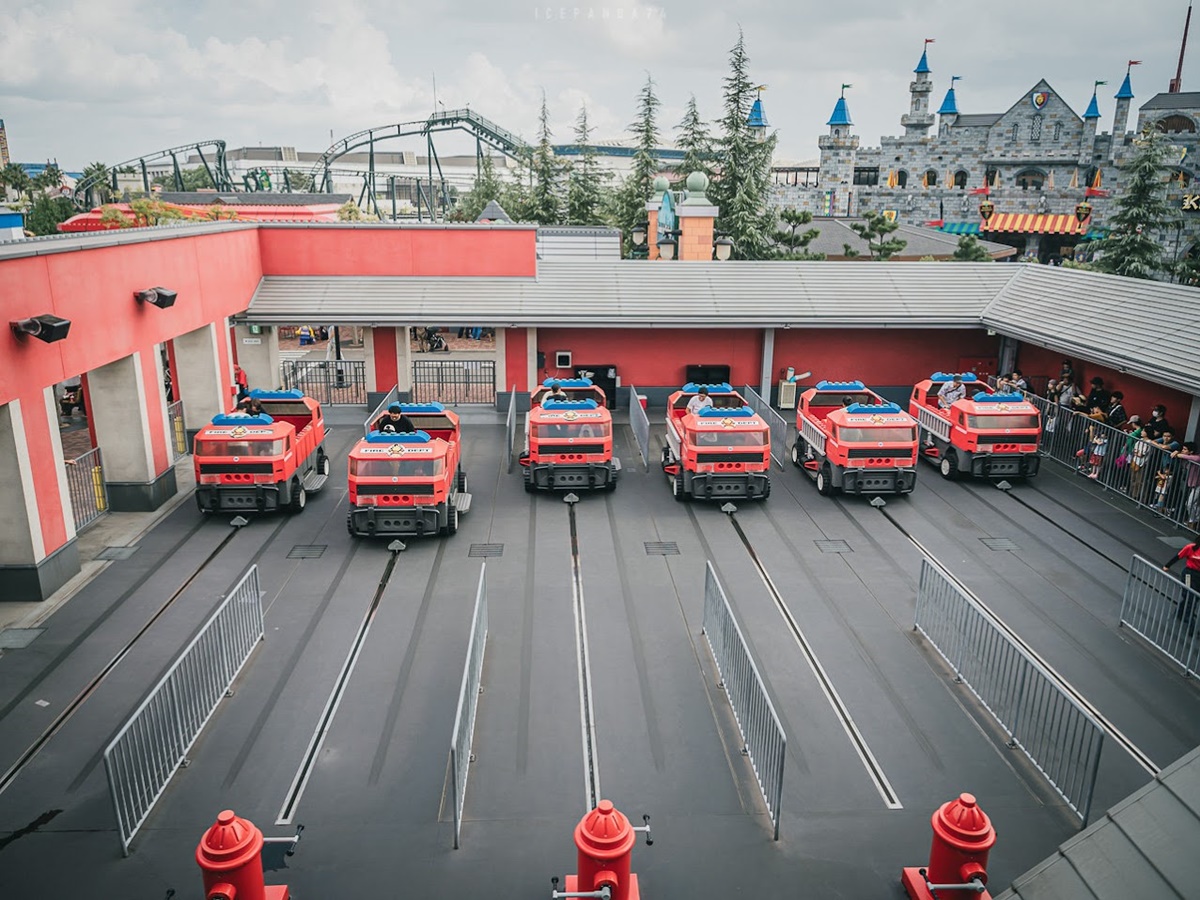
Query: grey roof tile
[[1183, 100]]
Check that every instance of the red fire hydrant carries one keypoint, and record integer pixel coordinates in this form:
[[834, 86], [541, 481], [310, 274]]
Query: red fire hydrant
[[962, 838], [230, 858], [604, 839]]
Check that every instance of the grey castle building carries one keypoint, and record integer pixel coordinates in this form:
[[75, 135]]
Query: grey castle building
[[1038, 159]]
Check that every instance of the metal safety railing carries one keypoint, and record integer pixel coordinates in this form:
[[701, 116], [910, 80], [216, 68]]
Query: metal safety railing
[[510, 428], [454, 381], [640, 423], [468, 703], [776, 422], [177, 431], [1057, 735], [1163, 610], [339, 382], [85, 484], [154, 741], [1146, 474], [762, 734], [391, 397]]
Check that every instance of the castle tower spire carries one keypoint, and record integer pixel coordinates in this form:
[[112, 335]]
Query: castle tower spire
[[839, 148], [918, 120], [1123, 96], [1091, 118], [948, 111]]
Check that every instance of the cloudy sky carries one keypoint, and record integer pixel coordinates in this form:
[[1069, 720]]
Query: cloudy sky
[[114, 79]]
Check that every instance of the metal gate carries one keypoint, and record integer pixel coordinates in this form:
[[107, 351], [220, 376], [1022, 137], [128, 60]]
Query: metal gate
[[454, 381], [85, 483], [330, 381]]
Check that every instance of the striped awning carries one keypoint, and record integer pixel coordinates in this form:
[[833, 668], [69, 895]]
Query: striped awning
[[1031, 223], [960, 228]]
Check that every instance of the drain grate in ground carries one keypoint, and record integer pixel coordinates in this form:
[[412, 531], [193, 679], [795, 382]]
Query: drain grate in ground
[[838, 546], [16, 638], [308, 551], [478, 550], [662, 548], [1000, 544], [116, 553]]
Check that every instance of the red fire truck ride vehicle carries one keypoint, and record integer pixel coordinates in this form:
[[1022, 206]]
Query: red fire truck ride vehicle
[[569, 442], [719, 451], [851, 439], [409, 482], [981, 433], [269, 461]]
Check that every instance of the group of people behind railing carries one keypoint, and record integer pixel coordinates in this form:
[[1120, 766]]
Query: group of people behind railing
[[1144, 459]]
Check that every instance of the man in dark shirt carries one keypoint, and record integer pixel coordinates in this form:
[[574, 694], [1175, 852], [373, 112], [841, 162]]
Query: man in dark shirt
[[1116, 410], [396, 418], [1157, 425], [1097, 396]]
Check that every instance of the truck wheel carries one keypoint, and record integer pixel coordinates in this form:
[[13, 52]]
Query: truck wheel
[[796, 455], [949, 464], [350, 524], [766, 490], [528, 482], [462, 481], [322, 463], [679, 488], [299, 497], [200, 506], [825, 480], [451, 520]]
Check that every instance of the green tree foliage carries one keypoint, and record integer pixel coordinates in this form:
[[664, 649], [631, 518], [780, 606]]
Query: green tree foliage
[[695, 141], [546, 193], [101, 191], [874, 229], [301, 182], [1141, 214], [148, 213], [488, 187], [790, 241], [350, 212], [628, 203], [970, 250], [114, 217], [46, 213], [744, 164], [586, 181], [193, 180], [14, 177]]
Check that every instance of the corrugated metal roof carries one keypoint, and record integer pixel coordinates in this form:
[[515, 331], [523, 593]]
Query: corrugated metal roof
[[620, 293], [1146, 328], [1183, 100], [579, 244], [836, 232], [1144, 846]]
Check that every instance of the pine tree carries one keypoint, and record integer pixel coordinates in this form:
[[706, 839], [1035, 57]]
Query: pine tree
[[586, 181], [1141, 213], [545, 196], [874, 229], [696, 143], [517, 195], [790, 242], [970, 250], [744, 164], [487, 187], [629, 202]]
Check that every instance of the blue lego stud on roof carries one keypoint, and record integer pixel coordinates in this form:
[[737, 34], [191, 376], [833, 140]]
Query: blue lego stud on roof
[[241, 419], [259, 394], [715, 412], [432, 407], [568, 382], [398, 437], [873, 408], [841, 386], [985, 397], [693, 387], [570, 404], [949, 376]]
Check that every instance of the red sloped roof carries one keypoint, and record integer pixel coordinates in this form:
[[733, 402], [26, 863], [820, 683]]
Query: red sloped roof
[[316, 212]]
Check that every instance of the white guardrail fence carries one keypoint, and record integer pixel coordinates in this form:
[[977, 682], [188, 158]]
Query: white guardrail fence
[[154, 741], [640, 423], [1163, 610], [510, 427], [468, 703], [762, 734], [776, 422], [1057, 735]]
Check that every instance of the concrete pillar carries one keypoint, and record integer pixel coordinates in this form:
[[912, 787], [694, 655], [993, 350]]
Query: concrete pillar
[[404, 361], [368, 346], [1191, 433], [258, 355], [128, 411], [531, 366], [502, 382], [696, 223], [202, 382], [768, 364], [38, 554]]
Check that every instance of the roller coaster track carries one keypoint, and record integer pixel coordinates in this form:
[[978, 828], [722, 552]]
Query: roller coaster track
[[218, 170]]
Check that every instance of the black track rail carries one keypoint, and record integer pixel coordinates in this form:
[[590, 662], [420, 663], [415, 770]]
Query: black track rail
[[587, 715]]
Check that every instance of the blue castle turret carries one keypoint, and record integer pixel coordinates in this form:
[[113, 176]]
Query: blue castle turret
[[918, 120], [1121, 113], [839, 147], [948, 111], [757, 120]]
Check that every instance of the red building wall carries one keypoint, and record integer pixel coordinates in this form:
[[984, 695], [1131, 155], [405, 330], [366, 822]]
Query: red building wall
[[38, 424], [1140, 395], [387, 365], [338, 250], [516, 359]]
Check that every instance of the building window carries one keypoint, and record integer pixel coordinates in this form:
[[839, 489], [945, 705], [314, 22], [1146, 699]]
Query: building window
[[990, 175], [1176, 124], [1058, 131], [902, 178], [1016, 131], [1030, 179], [1035, 129], [837, 132], [866, 175], [931, 178], [960, 179], [1181, 177]]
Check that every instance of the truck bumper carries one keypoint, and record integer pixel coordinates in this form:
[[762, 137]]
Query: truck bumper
[[371, 520], [879, 481], [574, 477], [257, 498], [1005, 466], [750, 485]]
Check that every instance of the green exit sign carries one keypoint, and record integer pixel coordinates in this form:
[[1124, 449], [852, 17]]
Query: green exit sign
[[255, 329]]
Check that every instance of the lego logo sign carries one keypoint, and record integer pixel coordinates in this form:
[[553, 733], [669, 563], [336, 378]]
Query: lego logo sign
[[1190, 203], [1039, 99]]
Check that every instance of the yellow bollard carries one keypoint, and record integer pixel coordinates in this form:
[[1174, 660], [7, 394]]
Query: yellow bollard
[[180, 437], [98, 486]]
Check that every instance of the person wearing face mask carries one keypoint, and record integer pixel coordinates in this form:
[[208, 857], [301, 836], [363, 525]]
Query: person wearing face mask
[[1158, 425]]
